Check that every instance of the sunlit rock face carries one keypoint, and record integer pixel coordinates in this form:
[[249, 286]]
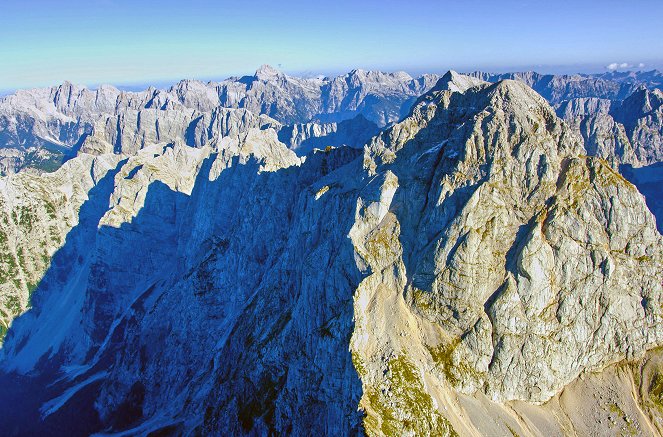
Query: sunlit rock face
[[503, 238], [472, 268]]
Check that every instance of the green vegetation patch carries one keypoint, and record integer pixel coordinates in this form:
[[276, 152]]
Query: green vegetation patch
[[630, 428], [48, 159], [12, 303], [656, 391], [422, 299], [358, 363], [26, 218], [50, 209], [403, 406], [8, 267], [454, 372]]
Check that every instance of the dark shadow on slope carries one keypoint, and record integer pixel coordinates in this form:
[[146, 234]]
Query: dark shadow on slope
[[73, 152], [649, 181], [255, 236], [105, 296], [24, 394], [287, 350]]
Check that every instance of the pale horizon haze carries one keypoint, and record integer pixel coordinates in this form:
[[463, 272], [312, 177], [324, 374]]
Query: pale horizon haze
[[127, 43]]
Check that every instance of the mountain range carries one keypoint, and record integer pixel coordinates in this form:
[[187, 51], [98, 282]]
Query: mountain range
[[369, 254]]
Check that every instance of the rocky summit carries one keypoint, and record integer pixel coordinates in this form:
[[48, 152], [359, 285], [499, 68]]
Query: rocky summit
[[369, 254]]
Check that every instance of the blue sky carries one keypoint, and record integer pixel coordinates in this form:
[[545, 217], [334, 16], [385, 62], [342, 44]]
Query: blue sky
[[44, 42]]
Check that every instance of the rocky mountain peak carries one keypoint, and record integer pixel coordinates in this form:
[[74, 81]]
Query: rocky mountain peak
[[518, 95], [643, 101], [501, 181]]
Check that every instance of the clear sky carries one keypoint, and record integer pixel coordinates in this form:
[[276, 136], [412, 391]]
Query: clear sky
[[43, 42]]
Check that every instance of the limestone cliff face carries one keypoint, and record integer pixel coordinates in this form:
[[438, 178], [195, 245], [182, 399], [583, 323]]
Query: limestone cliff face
[[506, 240], [130, 131], [603, 136], [626, 132], [456, 276]]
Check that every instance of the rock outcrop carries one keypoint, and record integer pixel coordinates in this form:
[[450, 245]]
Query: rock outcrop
[[500, 233]]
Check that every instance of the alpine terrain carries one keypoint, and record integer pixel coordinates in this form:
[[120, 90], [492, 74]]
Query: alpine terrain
[[367, 254]]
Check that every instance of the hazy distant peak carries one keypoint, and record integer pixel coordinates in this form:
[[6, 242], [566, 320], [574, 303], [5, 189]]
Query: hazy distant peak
[[640, 103], [267, 72], [358, 72], [109, 87]]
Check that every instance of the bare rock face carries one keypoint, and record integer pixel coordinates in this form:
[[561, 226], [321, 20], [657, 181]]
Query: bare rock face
[[627, 132], [471, 270], [130, 131], [602, 135], [382, 98]]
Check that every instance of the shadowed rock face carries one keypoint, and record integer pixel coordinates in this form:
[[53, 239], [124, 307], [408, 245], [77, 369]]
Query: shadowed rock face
[[258, 261], [470, 263], [649, 180]]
